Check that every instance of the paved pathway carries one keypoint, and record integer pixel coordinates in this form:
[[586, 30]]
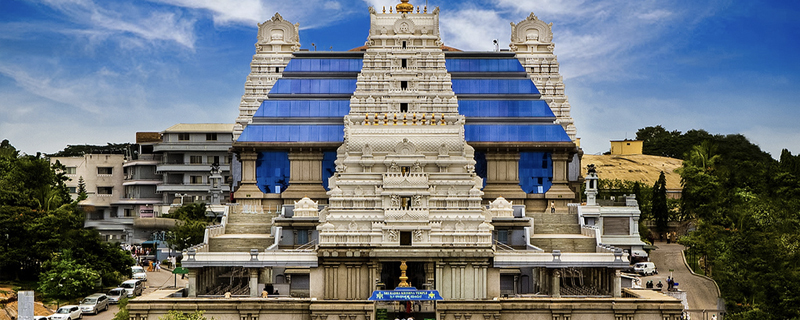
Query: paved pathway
[[155, 280], [701, 293]]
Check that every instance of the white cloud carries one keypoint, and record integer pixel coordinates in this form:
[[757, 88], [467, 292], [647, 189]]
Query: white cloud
[[474, 29], [127, 19]]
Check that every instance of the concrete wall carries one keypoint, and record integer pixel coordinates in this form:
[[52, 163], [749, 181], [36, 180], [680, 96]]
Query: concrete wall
[[662, 308]]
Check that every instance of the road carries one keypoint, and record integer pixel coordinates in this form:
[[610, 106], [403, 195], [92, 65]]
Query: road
[[155, 280], [701, 293]]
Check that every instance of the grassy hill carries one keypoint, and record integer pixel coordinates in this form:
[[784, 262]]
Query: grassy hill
[[635, 167]]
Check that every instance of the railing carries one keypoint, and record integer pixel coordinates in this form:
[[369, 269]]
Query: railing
[[308, 247], [527, 235], [499, 246]]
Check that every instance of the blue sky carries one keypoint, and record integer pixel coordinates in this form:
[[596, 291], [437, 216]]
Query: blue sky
[[91, 72]]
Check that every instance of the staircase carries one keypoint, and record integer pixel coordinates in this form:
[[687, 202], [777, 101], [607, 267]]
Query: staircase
[[244, 231], [560, 231]]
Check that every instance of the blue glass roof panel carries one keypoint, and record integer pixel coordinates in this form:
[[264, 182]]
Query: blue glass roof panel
[[504, 108], [314, 86], [303, 108], [292, 133], [324, 65], [483, 65], [515, 133], [493, 86]]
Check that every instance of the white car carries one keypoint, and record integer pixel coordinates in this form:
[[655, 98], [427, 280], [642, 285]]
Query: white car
[[645, 268], [138, 273], [70, 312]]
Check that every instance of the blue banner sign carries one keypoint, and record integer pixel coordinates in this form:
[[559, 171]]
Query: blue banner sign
[[405, 295]]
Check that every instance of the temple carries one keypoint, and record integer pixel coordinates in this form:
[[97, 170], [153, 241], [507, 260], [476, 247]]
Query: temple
[[406, 179]]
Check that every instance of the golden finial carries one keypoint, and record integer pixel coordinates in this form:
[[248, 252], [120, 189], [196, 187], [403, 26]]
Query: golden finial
[[403, 277], [404, 7], [390, 9], [425, 10], [417, 9], [384, 9]]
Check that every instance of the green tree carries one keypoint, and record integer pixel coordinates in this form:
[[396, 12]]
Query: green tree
[[82, 194], [191, 225], [64, 278], [660, 209]]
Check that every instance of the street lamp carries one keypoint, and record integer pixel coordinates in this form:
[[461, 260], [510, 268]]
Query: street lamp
[[181, 195]]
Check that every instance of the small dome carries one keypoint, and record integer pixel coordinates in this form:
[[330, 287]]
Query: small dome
[[404, 7]]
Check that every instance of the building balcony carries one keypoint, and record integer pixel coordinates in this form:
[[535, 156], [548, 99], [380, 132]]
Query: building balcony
[[137, 201], [193, 146], [181, 187], [141, 182], [192, 167]]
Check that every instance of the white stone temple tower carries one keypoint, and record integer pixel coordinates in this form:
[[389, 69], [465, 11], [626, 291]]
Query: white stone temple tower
[[405, 174]]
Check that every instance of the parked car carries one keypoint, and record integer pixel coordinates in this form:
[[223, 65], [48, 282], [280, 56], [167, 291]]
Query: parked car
[[645, 268], [70, 312], [132, 287], [94, 303], [116, 294], [40, 318], [138, 273]]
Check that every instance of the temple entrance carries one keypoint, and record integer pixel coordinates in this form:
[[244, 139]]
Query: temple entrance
[[416, 310], [390, 275]]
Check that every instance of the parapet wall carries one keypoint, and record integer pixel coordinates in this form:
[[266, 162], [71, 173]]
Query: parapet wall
[[661, 308]]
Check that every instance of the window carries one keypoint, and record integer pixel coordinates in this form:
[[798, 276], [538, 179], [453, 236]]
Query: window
[[403, 84], [404, 44], [405, 238], [183, 137], [211, 136], [302, 237], [404, 107], [404, 63], [196, 179], [105, 190], [502, 236], [128, 212], [73, 189], [195, 159], [277, 70], [70, 170]]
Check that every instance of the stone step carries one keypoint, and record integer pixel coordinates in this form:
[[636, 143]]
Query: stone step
[[564, 242], [248, 228], [539, 228], [556, 218], [249, 218], [240, 242]]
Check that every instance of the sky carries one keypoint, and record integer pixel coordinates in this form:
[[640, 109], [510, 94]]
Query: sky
[[94, 72]]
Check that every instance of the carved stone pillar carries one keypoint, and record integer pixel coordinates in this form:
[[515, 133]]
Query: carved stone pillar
[[617, 290], [555, 284], [248, 193], [305, 178], [560, 191], [254, 282], [192, 282], [502, 176]]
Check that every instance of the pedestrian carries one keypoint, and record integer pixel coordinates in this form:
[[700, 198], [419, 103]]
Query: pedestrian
[[552, 207], [659, 285]]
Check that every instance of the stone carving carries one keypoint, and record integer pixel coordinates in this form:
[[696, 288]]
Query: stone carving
[[404, 26], [417, 167], [418, 235], [394, 167], [392, 235], [443, 151], [366, 151], [531, 29], [353, 226], [395, 201], [306, 208], [501, 207], [417, 201], [405, 147]]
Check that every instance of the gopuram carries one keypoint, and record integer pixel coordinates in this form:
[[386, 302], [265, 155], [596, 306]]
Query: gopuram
[[406, 179]]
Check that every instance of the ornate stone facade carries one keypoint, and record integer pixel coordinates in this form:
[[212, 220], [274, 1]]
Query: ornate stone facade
[[532, 40], [277, 39], [404, 165]]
